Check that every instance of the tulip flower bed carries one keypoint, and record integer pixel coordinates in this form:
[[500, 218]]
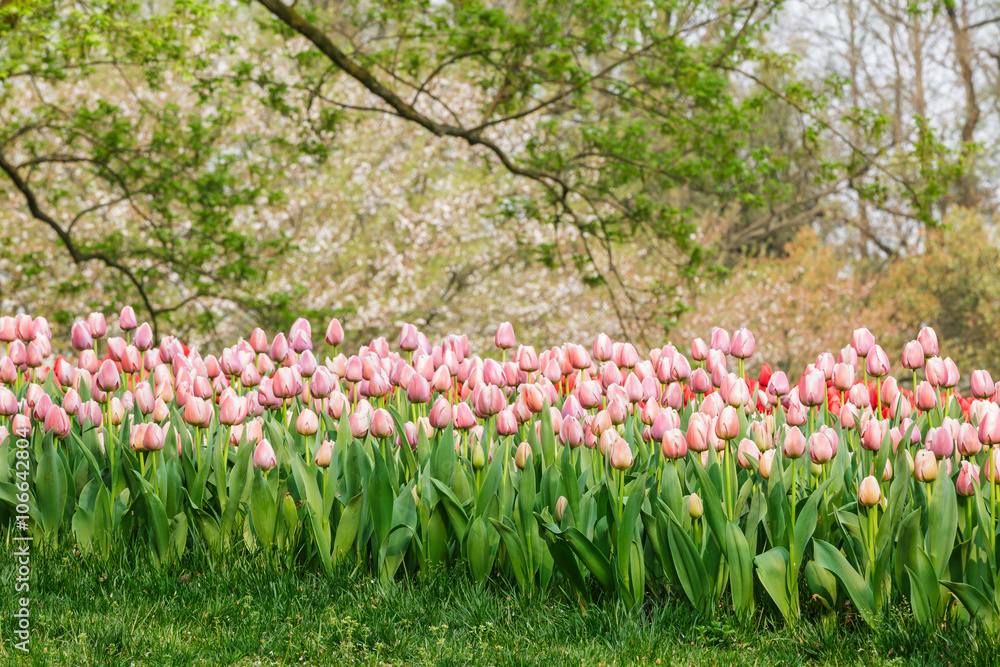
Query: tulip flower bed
[[589, 469]]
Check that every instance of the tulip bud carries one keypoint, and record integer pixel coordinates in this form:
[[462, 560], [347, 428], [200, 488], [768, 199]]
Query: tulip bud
[[968, 479], [728, 425], [108, 378], [877, 362], [127, 320], [263, 456], [743, 344], [521, 455], [324, 455], [561, 505], [698, 432], [334, 333], [478, 455], [794, 444], [621, 455], [382, 425], [746, 450], [968, 440], [820, 448], [307, 423], [928, 341], [925, 465], [873, 434], [504, 338], [843, 377], [812, 391], [695, 506], [766, 461], [869, 493], [862, 341], [673, 444], [720, 340], [982, 384], [97, 325]]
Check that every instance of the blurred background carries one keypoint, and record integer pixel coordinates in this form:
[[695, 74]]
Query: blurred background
[[646, 169]]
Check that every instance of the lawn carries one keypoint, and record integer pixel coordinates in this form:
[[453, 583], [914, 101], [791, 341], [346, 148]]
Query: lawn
[[208, 611]]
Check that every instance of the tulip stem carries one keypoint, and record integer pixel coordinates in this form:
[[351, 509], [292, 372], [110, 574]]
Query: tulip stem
[[993, 499], [793, 570], [872, 529], [878, 397], [142, 464], [156, 481]]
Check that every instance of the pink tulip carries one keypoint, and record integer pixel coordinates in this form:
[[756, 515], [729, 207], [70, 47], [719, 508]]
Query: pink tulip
[[382, 425], [935, 372], [97, 325], [742, 345], [279, 348], [925, 465], [263, 456], [913, 355], [968, 479], [848, 356], [951, 374], [872, 435], [848, 415], [793, 445], [869, 492], [843, 376], [968, 440], [107, 378], [334, 333], [57, 421], [127, 320], [928, 341], [701, 382], [862, 341], [506, 422], [939, 441], [877, 362], [778, 384], [797, 414], [620, 455], [144, 337], [504, 338], [982, 384], [728, 425], [747, 450], [571, 432], [720, 340], [154, 438], [8, 331]]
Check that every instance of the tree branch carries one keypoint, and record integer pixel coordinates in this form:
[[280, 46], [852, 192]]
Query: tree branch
[[78, 256]]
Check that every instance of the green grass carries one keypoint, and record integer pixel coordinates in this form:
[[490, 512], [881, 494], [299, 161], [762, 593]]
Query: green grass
[[210, 612]]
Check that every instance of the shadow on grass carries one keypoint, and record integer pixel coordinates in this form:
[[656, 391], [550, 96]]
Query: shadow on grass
[[246, 611]]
